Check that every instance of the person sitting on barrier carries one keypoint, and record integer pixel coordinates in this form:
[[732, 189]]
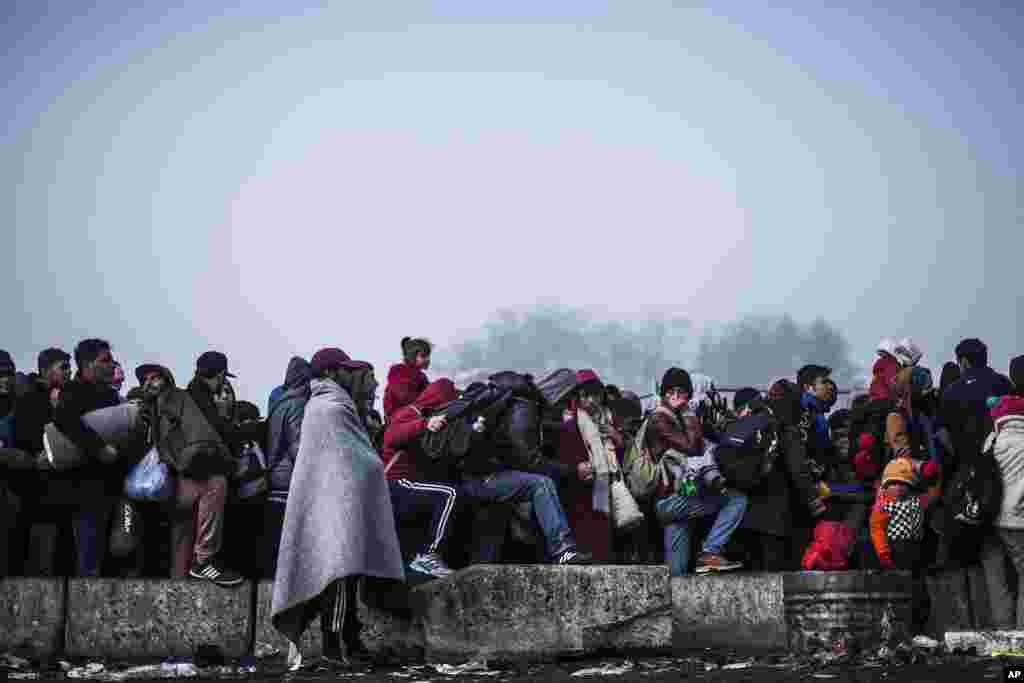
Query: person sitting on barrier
[[117, 383], [690, 486], [197, 511], [588, 444], [407, 380], [1017, 375], [416, 495], [12, 520], [509, 467]]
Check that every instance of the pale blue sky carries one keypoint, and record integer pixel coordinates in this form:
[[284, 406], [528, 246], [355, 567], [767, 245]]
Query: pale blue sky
[[268, 183]]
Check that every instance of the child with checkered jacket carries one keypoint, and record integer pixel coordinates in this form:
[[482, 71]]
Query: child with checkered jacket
[[897, 516]]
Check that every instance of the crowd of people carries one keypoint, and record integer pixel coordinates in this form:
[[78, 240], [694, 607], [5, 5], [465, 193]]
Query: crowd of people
[[324, 491]]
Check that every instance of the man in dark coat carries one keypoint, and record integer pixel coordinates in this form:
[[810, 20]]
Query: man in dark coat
[[197, 511], [35, 409], [962, 408], [97, 483]]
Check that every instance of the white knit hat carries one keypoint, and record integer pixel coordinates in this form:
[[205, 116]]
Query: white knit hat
[[907, 352]]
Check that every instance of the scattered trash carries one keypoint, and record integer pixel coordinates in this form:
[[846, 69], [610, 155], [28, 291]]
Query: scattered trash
[[66, 666], [12, 662], [22, 676], [606, 670], [475, 667], [266, 650], [87, 671], [1008, 653], [925, 642], [738, 665], [824, 675]]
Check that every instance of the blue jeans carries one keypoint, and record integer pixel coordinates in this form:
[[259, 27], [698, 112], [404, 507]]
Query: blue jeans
[[677, 512], [513, 486]]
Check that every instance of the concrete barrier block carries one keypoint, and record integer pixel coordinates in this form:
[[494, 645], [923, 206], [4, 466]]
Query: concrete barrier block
[[130, 618], [384, 631], [737, 611], [310, 645], [32, 615], [538, 612], [988, 643]]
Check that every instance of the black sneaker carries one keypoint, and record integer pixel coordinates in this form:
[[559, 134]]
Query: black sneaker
[[212, 571], [574, 556]]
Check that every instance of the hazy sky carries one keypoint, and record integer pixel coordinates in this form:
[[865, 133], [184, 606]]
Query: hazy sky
[[268, 183]]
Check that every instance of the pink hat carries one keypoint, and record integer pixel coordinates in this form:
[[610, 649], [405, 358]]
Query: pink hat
[[330, 358], [587, 375]]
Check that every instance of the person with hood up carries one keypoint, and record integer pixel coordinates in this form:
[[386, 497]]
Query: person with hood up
[[284, 429], [692, 486], [407, 380], [907, 352], [1006, 540], [589, 440], [1017, 375], [338, 522], [415, 494], [197, 510]]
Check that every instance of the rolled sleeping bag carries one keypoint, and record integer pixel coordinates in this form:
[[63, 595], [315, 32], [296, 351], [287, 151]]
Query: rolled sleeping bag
[[115, 425]]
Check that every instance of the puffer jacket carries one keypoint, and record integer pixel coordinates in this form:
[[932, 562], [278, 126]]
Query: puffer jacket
[[1009, 453], [285, 427]]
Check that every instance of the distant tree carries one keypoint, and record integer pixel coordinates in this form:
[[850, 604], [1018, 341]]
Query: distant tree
[[757, 350], [631, 354]]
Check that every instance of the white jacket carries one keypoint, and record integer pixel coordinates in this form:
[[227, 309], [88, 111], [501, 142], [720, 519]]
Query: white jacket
[[1009, 453]]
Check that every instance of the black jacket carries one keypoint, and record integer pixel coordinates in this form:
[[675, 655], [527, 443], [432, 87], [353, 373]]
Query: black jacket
[[94, 480], [235, 436], [962, 409]]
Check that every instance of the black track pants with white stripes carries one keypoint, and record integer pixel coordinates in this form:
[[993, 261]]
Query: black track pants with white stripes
[[339, 609], [415, 500]]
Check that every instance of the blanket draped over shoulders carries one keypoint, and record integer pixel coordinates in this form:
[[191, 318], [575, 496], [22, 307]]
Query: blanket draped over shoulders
[[338, 521]]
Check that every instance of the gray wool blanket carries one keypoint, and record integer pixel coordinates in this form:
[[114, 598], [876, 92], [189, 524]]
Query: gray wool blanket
[[338, 521]]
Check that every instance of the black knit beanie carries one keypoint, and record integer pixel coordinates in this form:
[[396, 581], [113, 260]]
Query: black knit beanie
[[676, 378]]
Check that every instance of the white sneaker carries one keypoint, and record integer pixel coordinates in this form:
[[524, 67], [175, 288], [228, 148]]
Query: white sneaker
[[431, 564]]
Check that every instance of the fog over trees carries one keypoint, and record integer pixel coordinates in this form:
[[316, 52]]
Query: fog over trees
[[634, 353]]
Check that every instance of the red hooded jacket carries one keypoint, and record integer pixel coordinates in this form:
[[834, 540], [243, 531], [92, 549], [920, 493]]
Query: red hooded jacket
[[407, 424], [405, 383], [882, 375]]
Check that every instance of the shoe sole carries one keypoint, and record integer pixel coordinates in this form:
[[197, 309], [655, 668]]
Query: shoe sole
[[727, 568], [223, 584]]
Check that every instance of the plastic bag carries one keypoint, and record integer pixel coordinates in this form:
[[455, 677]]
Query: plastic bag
[[149, 480], [831, 547], [126, 532]]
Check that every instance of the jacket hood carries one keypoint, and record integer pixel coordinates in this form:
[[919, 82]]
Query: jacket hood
[[438, 393], [403, 371], [882, 374], [298, 374]]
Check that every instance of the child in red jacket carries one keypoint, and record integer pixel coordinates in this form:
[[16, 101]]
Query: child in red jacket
[[897, 517]]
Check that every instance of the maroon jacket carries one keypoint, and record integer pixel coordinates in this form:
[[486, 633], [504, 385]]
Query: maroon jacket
[[401, 449], [405, 383]]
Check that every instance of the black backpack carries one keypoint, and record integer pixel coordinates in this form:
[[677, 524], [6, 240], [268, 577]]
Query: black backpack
[[746, 452], [976, 492], [448, 447]]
